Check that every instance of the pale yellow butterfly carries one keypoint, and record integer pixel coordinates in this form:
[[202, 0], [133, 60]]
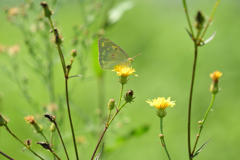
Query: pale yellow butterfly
[[111, 55]]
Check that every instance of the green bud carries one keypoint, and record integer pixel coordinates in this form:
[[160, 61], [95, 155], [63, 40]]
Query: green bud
[[52, 127], [74, 53], [199, 20], [3, 121], [111, 104], [161, 136], [47, 11], [129, 96]]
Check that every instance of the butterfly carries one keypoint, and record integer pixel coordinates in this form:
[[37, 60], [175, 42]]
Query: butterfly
[[111, 55]]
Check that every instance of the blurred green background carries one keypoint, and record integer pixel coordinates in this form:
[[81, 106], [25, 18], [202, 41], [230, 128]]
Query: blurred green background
[[155, 28]]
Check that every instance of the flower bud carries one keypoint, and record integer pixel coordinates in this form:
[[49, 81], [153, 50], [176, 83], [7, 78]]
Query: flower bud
[[111, 104], [52, 127], [45, 145], [37, 127], [215, 77], [47, 11], [3, 121], [50, 117], [129, 96], [74, 53], [28, 142], [161, 136], [199, 20], [57, 39]]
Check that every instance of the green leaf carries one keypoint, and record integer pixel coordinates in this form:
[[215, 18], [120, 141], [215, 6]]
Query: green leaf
[[200, 149]]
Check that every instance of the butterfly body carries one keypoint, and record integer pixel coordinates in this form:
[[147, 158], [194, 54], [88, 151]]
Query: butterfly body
[[111, 55]]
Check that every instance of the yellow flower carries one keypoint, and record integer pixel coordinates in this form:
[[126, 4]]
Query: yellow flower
[[161, 104], [215, 76], [124, 71]]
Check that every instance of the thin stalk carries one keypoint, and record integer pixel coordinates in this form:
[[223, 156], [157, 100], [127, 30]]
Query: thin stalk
[[44, 137], [70, 119], [211, 18], [106, 127], [190, 100], [6, 155], [55, 154], [66, 90], [117, 111], [61, 140], [121, 90], [203, 121], [162, 139], [188, 19], [22, 142]]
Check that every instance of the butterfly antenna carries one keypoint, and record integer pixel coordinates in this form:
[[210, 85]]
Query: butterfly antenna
[[137, 55]]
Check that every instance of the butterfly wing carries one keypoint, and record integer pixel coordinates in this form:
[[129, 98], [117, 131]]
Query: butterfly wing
[[110, 54]]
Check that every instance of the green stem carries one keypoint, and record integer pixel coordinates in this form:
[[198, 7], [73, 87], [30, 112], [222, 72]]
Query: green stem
[[121, 90], [115, 114], [210, 19], [6, 155], [190, 100], [22, 142], [66, 90], [55, 154], [162, 138], [188, 19], [203, 121], [61, 140], [109, 114], [44, 137], [70, 119], [106, 127]]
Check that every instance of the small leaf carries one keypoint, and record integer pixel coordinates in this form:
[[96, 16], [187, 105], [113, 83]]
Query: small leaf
[[200, 149], [208, 40], [189, 33]]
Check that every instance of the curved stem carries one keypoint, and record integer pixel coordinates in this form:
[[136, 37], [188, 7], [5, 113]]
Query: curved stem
[[203, 121], [23, 143], [190, 100], [162, 138]]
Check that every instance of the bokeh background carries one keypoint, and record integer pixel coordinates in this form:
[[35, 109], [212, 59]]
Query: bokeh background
[[155, 28]]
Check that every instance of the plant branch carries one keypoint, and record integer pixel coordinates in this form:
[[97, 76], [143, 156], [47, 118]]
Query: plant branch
[[203, 121], [22, 142]]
